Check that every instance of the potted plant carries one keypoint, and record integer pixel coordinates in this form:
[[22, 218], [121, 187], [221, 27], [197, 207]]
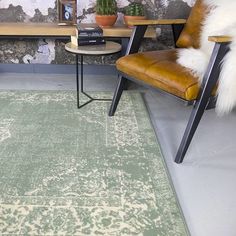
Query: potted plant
[[134, 11], [106, 12]]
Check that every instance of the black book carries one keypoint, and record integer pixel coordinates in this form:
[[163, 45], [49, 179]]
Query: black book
[[91, 41], [89, 31]]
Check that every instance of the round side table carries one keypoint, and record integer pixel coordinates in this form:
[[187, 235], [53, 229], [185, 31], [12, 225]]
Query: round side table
[[95, 50]]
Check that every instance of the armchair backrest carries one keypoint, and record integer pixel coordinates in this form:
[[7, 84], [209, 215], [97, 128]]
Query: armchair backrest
[[190, 36]]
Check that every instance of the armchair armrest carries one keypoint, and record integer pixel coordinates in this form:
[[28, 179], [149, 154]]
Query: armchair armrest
[[157, 22], [220, 39], [140, 27]]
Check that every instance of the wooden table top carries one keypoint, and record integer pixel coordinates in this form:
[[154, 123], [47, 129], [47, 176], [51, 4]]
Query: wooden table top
[[108, 48]]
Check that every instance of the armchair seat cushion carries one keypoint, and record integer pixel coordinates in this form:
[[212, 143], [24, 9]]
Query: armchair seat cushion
[[159, 69]]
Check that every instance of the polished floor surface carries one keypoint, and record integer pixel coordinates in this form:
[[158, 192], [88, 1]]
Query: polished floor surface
[[205, 182]]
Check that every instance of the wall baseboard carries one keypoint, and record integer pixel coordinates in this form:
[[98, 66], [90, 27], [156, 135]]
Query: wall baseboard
[[56, 69]]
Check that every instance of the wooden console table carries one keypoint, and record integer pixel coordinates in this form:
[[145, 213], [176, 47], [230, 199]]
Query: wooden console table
[[53, 30]]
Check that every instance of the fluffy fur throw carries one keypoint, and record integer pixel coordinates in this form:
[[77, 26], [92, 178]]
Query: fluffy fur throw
[[220, 21]]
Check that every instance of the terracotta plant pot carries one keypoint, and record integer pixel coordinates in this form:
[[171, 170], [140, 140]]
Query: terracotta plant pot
[[106, 21], [127, 18]]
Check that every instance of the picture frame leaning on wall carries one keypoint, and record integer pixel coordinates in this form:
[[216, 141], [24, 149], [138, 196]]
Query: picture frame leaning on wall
[[67, 12]]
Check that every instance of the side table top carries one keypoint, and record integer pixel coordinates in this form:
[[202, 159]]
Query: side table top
[[108, 48]]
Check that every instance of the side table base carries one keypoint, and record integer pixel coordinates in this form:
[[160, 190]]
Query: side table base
[[81, 87], [91, 99]]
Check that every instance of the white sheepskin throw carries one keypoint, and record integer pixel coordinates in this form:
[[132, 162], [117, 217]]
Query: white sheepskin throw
[[220, 21]]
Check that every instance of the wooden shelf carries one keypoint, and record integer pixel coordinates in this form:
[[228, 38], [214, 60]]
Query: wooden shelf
[[54, 30], [123, 31], [35, 29], [157, 22]]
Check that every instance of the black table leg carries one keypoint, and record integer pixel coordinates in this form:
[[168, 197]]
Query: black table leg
[[81, 87], [77, 79]]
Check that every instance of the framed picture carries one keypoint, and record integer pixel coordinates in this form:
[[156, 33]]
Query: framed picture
[[67, 12]]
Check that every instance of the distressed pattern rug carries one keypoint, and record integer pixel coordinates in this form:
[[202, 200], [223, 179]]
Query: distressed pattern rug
[[65, 171]]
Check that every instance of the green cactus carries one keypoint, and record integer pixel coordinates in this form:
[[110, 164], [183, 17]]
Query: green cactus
[[106, 7], [134, 9]]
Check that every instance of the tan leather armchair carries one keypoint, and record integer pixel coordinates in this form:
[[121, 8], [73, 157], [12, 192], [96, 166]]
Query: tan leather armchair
[[160, 70]]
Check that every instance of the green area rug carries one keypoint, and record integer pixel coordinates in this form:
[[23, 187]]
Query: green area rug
[[65, 171]]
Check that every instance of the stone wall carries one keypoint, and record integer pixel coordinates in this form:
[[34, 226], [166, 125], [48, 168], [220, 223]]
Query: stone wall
[[52, 51]]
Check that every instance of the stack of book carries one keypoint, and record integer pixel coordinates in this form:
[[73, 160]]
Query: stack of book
[[88, 35]]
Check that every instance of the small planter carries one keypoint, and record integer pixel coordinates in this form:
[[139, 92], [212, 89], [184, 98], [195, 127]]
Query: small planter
[[127, 18], [106, 21]]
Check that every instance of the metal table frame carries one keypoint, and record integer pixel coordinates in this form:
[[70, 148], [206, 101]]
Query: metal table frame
[[80, 86]]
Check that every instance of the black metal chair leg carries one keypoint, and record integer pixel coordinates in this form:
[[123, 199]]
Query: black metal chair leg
[[192, 125], [209, 81], [132, 47], [116, 98]]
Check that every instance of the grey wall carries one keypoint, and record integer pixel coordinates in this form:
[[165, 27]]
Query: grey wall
[[47, 51]]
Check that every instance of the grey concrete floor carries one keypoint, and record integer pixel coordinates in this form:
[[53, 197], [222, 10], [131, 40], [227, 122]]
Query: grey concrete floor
[[205, 182]]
